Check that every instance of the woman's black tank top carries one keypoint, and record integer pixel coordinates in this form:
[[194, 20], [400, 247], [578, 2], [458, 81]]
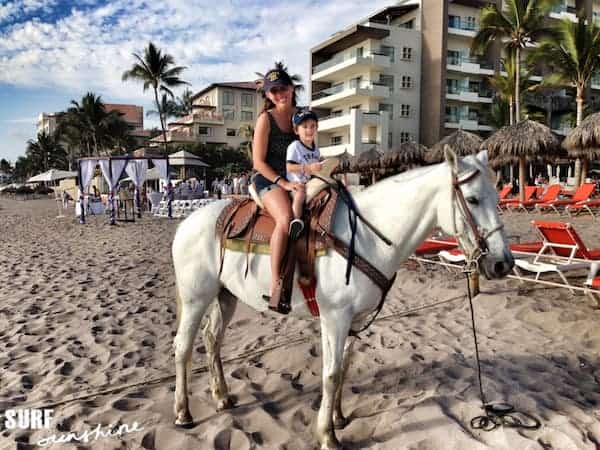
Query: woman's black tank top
[[277, 147]]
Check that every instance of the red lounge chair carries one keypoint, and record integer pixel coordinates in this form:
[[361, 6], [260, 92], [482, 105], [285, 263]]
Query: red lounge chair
[[434, 246], [504, 192], [582, 194], [550, 196], [564, 241], [587, 205], [529, 193]]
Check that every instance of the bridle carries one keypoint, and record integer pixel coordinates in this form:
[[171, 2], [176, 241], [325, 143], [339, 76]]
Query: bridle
[[480, 235]]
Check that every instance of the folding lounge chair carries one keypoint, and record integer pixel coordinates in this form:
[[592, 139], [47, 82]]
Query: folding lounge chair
[[568, 253], [587, 205], [550, 195], [529, 193], [583, 193], [504, 192], [434, 246]]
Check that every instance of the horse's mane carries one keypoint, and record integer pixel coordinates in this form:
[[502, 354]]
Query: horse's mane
[[404, 177]]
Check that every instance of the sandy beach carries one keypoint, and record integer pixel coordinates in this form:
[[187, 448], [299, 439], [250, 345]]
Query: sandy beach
[[87, 318]]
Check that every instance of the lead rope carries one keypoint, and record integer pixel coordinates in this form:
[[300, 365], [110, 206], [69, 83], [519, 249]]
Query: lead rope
[[496, 414]]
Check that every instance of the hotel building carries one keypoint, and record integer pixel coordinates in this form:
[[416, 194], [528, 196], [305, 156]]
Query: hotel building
[[405, 73], [219, 111]]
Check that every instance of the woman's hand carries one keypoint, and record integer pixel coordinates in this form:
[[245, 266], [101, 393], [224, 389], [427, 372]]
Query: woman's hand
[[292, 185]]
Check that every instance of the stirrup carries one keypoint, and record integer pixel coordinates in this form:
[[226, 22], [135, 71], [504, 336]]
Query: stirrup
[[296, 228], [281, 308]]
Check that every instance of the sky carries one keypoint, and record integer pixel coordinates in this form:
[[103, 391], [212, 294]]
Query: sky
[[52, 51]]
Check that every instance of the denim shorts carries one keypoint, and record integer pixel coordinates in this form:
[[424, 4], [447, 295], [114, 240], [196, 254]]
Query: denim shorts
[[263, 185]]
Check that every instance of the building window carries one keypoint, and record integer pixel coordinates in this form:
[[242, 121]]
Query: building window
[[336, 140], [337, 113], [390, 139], [247, 116], [387, 107], [389, 51], [454, 57], [404, 110], [406, 53], [356, 107], [229, 114], [410, 24], [404, 137], [470, 23], [247, 100], [453, 21], [228, 98], [231, 132], [205, 131], [406, 82], [387, 80]]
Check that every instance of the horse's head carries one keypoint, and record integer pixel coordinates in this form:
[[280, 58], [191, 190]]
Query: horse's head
[[472, 215]]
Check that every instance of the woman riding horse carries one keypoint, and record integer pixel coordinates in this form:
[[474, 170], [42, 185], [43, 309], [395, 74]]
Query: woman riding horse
[[272, 135]]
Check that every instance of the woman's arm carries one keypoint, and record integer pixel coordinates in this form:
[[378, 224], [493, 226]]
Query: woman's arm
[[259, 148]]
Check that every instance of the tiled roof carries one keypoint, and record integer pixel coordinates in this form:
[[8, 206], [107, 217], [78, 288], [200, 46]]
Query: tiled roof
[[131, 113]]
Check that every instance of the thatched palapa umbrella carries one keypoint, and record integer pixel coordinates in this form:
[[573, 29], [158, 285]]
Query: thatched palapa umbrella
[[367, 162], [524, 140], [405, 155], [461, 142], [584, 142]]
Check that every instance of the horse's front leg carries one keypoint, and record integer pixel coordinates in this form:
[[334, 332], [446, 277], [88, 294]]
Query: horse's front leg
[[339, 421], [219, 316], [334, 331]]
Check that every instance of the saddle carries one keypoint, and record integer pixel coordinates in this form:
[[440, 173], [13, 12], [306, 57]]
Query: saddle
[[243, 221]]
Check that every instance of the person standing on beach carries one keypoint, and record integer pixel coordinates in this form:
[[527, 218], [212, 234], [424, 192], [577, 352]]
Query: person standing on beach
[[272, 136]]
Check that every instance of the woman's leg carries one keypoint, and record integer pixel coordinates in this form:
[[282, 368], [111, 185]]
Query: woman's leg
[[277, 204]]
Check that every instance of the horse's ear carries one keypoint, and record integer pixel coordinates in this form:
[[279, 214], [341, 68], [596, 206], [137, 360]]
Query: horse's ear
[[482, 156], [451, 158]]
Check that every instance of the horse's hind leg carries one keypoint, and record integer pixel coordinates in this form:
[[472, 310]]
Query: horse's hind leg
[[339, 421], [189, 314], [219, 315]]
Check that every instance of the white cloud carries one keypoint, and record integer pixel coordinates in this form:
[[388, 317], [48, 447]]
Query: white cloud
[[89, 50]]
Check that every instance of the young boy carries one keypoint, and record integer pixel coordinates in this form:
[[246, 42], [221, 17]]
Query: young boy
[[302, 159]]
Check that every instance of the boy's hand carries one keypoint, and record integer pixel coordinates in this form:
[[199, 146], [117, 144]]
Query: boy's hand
[[315, 167]]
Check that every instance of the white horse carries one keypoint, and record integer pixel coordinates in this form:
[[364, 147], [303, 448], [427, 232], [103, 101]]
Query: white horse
[[405, 208]]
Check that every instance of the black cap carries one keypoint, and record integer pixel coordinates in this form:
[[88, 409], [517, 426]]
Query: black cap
[[275, 78], [303, 115]]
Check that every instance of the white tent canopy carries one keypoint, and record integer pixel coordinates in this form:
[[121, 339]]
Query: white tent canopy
[[183, 158], [52, 175]]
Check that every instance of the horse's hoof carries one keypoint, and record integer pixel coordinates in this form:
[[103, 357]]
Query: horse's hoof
[[226, 403], [340, 422], [185, 421]]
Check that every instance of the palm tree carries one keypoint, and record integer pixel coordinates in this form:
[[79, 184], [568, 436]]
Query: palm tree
[[519, 26], [168, 108], [5, 166], [96, 129], [247, 130], [183, 104], [156, 70], [23, 169], [45, 153], [572, 58]]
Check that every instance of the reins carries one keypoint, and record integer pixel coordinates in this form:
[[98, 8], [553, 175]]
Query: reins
[[499, 413]]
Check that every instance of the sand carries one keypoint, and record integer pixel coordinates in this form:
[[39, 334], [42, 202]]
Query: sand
[[87, 317]]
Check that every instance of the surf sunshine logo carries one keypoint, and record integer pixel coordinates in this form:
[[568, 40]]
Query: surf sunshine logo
[[36, 419]]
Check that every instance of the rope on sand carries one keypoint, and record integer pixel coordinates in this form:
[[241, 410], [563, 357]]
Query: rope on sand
[[107, 389]]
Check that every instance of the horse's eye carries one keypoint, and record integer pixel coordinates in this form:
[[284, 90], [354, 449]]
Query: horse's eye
[[473, 201]]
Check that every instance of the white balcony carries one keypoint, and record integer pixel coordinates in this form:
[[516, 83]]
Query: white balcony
[[462, 29], [365, 90], [339, 68], [561, 12], [469, 96], [468, 124], [537, 78], [596, 82], [469, 65], [331, 123]]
